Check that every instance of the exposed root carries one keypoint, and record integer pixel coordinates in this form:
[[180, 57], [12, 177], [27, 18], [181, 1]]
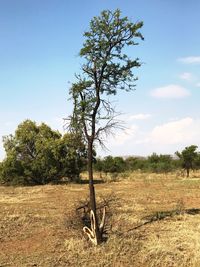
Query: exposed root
[[91, 233]]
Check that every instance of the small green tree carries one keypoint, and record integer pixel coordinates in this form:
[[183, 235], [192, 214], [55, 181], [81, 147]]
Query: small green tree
[[136, 163], [98, 166], [107, 69], [113, 164], [39, 155], [160, 163], [197, 162], [188, 157]]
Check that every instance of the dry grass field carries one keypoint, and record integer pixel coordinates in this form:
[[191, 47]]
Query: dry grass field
[[155, 222]]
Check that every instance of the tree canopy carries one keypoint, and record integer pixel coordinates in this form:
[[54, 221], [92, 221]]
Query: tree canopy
[[188, 157], [107, 69], [36, 154]]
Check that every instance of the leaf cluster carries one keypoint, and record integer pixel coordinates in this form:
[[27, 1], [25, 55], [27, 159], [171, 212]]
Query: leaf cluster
[[106, 69], [38, 155], [188, 156]]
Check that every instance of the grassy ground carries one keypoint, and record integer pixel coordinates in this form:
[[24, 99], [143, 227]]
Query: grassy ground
[[156, 222]]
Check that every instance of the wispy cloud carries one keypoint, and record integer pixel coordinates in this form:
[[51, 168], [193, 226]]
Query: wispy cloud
[[170, 91], [176, 132], [163, 138], [140, 116], [190, 60], [183, 131], [186, 76], [198, 85]]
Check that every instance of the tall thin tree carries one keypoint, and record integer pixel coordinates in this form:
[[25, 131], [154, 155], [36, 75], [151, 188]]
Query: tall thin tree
[[106, 69]]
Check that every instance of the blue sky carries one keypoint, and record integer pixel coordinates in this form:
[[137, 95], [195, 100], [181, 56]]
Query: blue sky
[[39, 46]]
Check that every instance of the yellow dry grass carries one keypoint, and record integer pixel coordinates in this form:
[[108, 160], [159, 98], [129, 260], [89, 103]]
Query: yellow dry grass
[[155, 224]]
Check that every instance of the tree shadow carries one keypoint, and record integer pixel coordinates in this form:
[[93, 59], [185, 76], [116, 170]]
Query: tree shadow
[[192, 211], [161, 215], [96, 181], [78, 181]]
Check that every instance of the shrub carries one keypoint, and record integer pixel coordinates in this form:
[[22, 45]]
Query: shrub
[[39, 155]]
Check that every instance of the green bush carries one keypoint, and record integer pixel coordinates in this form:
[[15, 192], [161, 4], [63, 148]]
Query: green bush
[[39, 155], [160, 163], [189, 158], [110, 165]]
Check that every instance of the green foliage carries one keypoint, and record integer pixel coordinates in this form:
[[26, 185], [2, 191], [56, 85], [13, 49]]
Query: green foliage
[[189, 157], [106, 69], [111, 164], [197, 162], [39, 155], [160, 163], [136, 163], [154, 163], [108, 35], [98, 165]]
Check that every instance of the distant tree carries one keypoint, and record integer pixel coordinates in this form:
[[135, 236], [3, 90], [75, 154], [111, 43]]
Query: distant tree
[[197, 162], [136, 163], [160, 163], [39, 155], [113, 164], [107, 69], [98, 166], [188, 157], [166, 163]]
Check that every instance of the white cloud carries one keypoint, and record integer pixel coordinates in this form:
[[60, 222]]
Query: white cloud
[[139, 116], [198, 85], [170, 136], [165, 138], [170, 91], [190, 60], [180, 131], [187, 76], [183, 132]]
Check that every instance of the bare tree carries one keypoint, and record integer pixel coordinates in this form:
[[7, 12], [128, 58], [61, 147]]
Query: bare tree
[[106, 70]]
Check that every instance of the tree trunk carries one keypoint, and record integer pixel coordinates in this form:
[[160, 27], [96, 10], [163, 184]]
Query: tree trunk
[[188, 172], [92, 192]]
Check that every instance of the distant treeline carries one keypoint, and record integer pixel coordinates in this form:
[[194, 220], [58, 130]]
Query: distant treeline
[[188, 159], [37, 155], [154, 163]]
